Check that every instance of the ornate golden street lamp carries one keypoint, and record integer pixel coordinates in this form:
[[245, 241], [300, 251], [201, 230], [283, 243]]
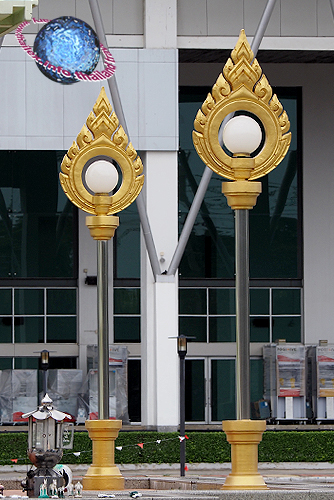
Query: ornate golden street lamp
[[89, 178], [240, 99]]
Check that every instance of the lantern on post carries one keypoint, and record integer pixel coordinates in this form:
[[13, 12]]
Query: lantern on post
[[45, 446], [245, 153], [89, 178]]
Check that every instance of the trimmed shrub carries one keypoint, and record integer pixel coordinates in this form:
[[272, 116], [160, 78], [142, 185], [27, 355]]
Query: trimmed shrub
[[210, 447]]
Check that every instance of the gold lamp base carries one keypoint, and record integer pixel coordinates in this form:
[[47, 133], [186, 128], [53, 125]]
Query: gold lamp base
[[102, 227], [244, 437], [103, 474], [241, 194]]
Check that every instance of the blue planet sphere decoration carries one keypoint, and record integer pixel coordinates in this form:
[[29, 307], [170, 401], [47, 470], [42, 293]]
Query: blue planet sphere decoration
[[66, 46]]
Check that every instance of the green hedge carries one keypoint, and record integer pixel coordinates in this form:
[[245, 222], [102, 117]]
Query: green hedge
[[211, 447]]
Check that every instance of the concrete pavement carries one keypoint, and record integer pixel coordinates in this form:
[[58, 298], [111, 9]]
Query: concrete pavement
[[295, 481]]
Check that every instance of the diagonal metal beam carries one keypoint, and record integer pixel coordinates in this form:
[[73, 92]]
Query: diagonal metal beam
[[261, 29], [113, 87], [203, 185], [331, 2]]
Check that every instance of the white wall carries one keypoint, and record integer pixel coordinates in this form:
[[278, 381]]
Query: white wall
[[289, 19], [40, 114]]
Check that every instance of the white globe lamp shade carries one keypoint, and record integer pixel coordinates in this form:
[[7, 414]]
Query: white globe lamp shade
[[101, 176], [242, 135]]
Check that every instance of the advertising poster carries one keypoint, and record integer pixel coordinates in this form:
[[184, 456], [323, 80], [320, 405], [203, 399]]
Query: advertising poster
[[325, 368], [290, 370]]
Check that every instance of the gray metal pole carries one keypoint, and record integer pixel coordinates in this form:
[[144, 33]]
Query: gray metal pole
[[190, 221], [103, 329], [45, 382], [112, 82], [182, 412], [113, 87], [262, 26], [147, 233], [242, 313], [198, 199], [332, 6]]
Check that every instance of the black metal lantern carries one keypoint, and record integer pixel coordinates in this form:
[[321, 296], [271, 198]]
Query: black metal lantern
[[45, 446]]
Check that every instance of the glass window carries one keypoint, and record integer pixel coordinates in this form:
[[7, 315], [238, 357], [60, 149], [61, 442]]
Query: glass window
[[127, 244], [195, 390], [134, 389], [275, 250], [192, 301], [26, 363], [127, 314], [127, 300], [286, 301], [6, 301], [259, 301], [6, 363], [274, 220], [61, 329], [222, 329], [260, 329], [223, 386], [193, 326], [29, 301], [271, 310], [222, 301], [61, 301], [210, 249], [126, 329], [37, 221], [38, 315], [29, 329], [6, 330], [222, 389], [288, 328], [256, 374], [56, 362]]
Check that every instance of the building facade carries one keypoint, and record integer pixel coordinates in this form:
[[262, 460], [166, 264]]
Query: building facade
[[168, 55]]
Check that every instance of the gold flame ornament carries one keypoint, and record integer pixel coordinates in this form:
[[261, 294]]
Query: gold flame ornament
[[242, 87], [101, 136]]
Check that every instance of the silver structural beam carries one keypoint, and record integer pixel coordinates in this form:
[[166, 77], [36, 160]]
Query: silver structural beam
[[199, 196], [102, 329], [261, 29], [332, 6], [190, 221], [113, 87], [242, 313]]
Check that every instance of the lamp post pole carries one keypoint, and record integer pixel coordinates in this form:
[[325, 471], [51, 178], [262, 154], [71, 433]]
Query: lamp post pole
[[103, 329], [182, 352], [242, 313], [45, 367]]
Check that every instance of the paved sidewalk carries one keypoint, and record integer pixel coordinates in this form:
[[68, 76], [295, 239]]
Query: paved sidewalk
[[286, 481]]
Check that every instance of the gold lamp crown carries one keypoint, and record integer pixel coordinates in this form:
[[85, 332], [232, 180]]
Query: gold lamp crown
[[101, 136], [242, 87]]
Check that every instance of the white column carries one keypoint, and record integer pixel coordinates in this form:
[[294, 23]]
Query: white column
[[167, 362], [160, 366], [160, 24], [159, 295]]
